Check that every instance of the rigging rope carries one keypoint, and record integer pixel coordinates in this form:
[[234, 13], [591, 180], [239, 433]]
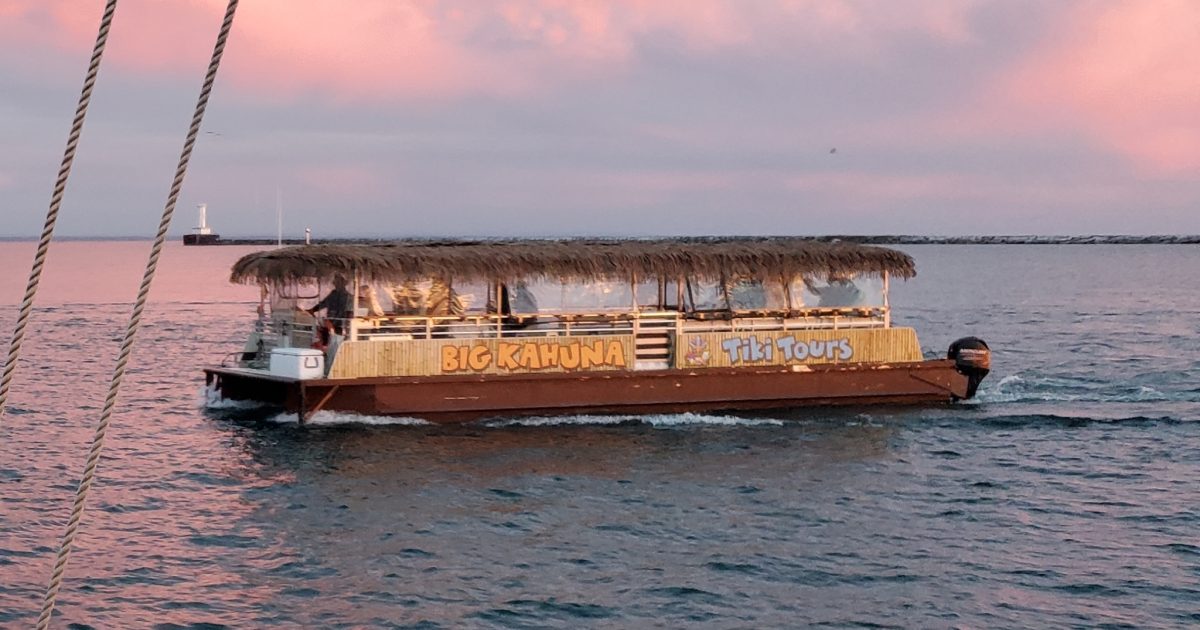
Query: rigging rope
[[39, 259], [89, 470]]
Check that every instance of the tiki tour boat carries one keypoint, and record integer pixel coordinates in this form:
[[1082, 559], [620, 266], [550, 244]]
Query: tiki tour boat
[[460, 330]]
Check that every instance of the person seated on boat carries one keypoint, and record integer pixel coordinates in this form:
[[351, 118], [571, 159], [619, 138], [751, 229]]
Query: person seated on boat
[[368, 300], [839, 292], [521, 299], [518, 305], [338, 304]]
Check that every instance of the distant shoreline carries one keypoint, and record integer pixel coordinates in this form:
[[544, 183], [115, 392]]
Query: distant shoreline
[[879, 239]]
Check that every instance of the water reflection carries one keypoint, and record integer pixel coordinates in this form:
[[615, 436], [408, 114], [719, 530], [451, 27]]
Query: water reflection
[[444, 518], [1065, 496]]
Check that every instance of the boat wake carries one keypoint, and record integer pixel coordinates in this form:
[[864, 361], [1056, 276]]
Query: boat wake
[[210, 398], [339, 418], [1035, 388], [1071, 421], [660, 421]]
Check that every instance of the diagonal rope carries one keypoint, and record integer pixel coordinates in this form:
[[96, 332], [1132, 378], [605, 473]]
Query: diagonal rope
[[39, 259], [89, 470]]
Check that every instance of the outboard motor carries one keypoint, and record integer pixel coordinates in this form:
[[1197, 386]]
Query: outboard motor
[[973, 359]]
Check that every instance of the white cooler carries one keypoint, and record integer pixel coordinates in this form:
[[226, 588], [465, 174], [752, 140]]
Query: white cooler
[[301, 363]]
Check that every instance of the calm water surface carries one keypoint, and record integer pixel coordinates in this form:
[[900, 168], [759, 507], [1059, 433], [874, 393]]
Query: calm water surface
[[1068, 495]]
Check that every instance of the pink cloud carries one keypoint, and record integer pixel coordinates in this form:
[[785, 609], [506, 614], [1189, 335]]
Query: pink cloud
[[381, 50], [1121, 73]]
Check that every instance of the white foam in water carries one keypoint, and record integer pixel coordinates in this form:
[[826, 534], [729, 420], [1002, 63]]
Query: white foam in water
[[1003, 391], [684, 419], [210, 398], [1014, 388], [656, 420], [1145, 393], [1008, 380], [339, 418]]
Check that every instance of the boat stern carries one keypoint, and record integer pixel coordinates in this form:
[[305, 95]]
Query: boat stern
[[251, 385]]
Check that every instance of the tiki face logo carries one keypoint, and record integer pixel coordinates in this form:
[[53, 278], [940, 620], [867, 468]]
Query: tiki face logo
[[697, 352]]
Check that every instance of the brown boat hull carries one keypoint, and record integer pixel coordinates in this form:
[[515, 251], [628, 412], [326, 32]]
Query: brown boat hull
[[449, 399]]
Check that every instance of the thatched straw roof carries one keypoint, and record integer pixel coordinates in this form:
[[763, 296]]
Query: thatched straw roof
[[758, 257]]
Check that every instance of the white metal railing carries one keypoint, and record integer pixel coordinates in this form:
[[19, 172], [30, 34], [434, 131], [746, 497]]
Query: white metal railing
[[490, 326]]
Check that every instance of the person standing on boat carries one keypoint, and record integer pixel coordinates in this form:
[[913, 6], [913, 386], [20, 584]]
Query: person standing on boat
[[338, 304]]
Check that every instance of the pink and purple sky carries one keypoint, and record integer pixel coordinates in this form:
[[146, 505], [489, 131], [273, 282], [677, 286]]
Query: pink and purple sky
[[614, 117]]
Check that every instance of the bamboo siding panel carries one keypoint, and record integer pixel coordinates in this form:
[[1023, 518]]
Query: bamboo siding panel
[[797, 347], [429, 357]]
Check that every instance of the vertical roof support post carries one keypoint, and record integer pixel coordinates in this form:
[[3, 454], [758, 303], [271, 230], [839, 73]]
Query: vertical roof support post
[[787, 296], [633, 282], [498, 299], [725, 292], [352, 325], [887, 307], [787, 300]]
